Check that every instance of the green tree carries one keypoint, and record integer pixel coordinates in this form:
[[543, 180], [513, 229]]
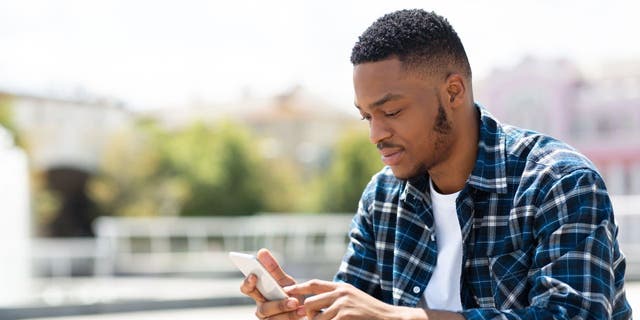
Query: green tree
[[6, 119], [354, 162], [221, 166], [6, 113], [195, 171], [129, 181]]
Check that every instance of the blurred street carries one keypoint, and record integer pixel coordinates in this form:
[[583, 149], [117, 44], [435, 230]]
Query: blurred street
[[227, 313], [244, 312]]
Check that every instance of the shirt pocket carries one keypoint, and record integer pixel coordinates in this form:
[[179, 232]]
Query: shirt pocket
[[509, 275]]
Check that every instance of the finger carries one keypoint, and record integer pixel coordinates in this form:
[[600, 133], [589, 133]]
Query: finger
[[249, 288], [271, 264], [318, 304], [286, 316], [311, 287], [273, 308], [327, 314]]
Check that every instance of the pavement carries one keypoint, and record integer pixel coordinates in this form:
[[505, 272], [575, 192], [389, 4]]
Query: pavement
[[236, 312], [222, 313], [64, 297]]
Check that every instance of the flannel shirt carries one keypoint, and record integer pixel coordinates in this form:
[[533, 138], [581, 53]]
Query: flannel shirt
[[538, 232]]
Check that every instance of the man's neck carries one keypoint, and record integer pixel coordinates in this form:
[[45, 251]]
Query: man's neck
[[452, 175]]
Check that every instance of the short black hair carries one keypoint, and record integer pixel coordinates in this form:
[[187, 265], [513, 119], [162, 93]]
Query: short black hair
[[420, 39]]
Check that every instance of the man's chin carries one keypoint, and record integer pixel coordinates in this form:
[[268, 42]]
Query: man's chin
[[404, 174]]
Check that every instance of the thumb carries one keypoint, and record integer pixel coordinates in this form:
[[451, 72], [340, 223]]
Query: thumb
[[273, 267]]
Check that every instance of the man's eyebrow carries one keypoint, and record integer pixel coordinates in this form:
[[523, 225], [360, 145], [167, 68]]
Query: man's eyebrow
[[388, 97]]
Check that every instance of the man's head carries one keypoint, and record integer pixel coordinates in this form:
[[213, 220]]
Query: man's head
[[423, 41], [412, 80]]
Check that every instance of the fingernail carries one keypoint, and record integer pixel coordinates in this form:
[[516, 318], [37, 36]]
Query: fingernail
[[292, 303], [301, 312]]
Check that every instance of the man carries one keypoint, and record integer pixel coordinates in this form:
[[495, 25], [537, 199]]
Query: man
[[470, 218]]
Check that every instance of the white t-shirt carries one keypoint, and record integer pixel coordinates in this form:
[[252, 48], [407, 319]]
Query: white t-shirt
[[443, 290]]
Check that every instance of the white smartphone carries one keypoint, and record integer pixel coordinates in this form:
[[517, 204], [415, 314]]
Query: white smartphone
[[267, 285]]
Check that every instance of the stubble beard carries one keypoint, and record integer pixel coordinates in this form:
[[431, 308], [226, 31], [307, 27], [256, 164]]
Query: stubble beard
[[442, 128], [442, 142]]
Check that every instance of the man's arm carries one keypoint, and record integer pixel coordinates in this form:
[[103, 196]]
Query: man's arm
[[359, 265], [579, 269]]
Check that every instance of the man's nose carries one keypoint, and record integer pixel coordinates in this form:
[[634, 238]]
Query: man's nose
[[378, 131]]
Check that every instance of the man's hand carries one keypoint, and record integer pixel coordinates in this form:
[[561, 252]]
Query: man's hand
[[274, 310], [334, 300]]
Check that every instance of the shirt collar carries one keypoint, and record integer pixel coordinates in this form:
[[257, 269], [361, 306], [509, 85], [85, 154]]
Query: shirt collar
[[489, 173], [416, 188]]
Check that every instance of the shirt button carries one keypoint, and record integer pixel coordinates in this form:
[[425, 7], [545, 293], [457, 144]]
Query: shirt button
[[416, 289]]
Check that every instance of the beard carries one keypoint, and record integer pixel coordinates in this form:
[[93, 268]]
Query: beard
[[442, 127]]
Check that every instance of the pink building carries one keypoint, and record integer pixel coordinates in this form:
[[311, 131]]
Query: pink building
[[598, 114]]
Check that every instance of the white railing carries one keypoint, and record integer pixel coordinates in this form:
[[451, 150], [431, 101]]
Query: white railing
[[200, 245], [62, 257], [169, 245]]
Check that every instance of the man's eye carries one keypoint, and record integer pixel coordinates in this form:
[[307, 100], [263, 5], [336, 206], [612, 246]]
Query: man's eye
[[392, 114], [365, 117]]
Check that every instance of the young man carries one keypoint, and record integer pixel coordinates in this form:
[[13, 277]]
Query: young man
[[470, 218]]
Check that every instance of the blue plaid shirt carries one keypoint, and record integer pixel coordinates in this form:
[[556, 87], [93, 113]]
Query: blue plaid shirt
[[538, 232]]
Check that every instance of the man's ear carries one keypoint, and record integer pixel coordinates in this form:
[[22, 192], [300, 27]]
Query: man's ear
[[456, 88]]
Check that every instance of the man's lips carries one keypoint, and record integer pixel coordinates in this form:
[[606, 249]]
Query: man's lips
[[391, 157]]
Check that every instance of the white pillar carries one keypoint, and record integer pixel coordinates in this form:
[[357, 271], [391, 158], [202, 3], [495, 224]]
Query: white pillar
[[15, 267]]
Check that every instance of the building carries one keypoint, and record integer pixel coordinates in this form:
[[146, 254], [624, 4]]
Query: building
[[64, 139], [65, 132], [597, 113]]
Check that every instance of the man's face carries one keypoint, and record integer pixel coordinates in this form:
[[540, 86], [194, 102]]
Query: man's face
[[406, 117]]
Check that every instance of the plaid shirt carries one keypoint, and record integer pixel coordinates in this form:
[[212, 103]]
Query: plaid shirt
[[538, 232]]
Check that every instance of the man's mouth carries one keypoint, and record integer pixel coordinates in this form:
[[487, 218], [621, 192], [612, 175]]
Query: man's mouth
[[391, 157]]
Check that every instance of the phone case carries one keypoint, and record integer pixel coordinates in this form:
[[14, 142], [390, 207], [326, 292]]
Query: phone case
[[267, 285]]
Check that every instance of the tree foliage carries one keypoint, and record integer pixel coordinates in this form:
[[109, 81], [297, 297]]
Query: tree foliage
[[354, 163], [217, 169], [221, 167], [198, 170], [6, 120]]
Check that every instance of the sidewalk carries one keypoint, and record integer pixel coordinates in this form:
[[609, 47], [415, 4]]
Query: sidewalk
[[247, 311], [226, 313], [91, 296]]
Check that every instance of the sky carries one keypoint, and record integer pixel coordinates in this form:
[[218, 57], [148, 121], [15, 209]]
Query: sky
[[155, 54]]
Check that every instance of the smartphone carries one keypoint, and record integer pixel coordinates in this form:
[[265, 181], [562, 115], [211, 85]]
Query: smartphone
[[267, 285]]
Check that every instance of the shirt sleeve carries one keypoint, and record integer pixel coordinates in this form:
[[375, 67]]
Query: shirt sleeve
[[578, 270], [359, 264]]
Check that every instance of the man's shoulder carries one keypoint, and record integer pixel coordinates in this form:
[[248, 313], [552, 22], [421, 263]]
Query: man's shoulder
[[539, 153]]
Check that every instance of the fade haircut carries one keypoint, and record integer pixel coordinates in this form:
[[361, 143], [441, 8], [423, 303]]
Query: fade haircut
[[423, 41]]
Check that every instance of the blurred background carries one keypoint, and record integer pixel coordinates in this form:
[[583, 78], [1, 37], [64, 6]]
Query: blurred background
[[142, 140]]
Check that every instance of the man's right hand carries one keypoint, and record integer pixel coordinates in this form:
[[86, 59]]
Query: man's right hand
[[274, 310]]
